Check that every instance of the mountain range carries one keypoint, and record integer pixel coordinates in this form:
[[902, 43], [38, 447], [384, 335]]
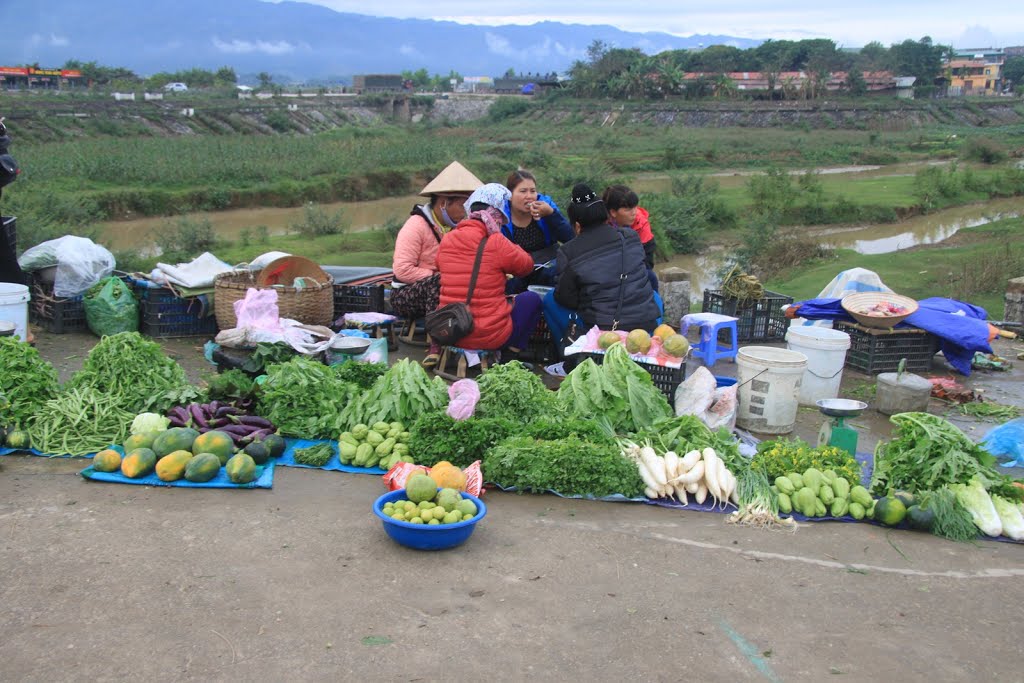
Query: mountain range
[[296, 41]]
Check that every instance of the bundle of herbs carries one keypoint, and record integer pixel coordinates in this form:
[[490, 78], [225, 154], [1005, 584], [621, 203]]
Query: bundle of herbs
[[363, 375], [26, 382], [304, 398], [569, 466], [511, 391], [436, 436]]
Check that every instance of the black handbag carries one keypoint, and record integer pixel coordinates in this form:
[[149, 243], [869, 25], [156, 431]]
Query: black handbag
[[448, 324]]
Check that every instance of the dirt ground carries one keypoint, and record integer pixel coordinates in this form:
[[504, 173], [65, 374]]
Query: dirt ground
[[108, 582]]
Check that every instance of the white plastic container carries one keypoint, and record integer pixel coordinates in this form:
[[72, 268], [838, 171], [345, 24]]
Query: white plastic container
[[769, 380], [14, 307], [826, 355]]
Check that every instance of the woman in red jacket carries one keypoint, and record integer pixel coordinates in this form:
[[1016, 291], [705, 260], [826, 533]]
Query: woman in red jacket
[[498, 321]]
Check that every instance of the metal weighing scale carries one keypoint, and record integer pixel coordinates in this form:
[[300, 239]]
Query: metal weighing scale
[[834, 432]]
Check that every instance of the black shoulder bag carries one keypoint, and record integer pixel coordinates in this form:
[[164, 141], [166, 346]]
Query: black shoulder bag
[[448, 324]]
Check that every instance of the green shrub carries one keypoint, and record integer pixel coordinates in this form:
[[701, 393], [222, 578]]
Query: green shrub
[[317, 221], [984, 150]]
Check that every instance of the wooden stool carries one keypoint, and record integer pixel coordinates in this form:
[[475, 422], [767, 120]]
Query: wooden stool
[[450, 353], [408, 330]]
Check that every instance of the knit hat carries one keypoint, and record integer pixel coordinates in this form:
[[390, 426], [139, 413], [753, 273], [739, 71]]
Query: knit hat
[[454, 179], [493, 194]]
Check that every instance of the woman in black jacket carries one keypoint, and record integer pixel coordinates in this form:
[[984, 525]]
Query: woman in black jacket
[[602, 277]]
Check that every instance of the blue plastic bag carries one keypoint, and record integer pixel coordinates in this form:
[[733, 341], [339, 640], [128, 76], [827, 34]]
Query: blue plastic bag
[[1007, 440]]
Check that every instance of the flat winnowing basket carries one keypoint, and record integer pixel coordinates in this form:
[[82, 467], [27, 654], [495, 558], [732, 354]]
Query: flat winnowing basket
[[853, 303], [312, 304]]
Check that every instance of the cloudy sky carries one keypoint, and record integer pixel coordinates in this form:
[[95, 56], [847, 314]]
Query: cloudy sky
[[998, 23]]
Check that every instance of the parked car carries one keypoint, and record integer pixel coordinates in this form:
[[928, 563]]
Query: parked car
[[176, 87]]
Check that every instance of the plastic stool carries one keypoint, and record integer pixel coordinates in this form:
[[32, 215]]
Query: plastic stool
[[708, 349], [449, 353]]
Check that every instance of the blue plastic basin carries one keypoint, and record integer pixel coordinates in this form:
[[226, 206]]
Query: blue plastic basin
[[425, 536], [724, 381]]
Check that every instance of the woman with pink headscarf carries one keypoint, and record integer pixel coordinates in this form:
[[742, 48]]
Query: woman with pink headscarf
[[498, 321]]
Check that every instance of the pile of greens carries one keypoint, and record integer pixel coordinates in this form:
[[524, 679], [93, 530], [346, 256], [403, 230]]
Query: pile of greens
[[569, 466], [363, 375], [929, 453], [266, 354], [597, 431], [304, 398], [233, 386], [401, 394], [26, 382], [134, 371], [618, 389], [511, 391], [435, 437]]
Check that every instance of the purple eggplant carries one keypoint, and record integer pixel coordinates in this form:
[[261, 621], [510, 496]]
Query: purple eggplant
[[261, 434], [224, 411], [212, 406], [197, 415], [240, 430], [175, 422], [254, 420], [219, 422], [178, 413]]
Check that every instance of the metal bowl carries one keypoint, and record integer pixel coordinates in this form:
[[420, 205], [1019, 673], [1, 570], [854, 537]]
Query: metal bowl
[[351, 345], [841, 407]]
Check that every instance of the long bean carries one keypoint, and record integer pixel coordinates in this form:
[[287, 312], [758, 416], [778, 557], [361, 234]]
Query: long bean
[[79, 422]]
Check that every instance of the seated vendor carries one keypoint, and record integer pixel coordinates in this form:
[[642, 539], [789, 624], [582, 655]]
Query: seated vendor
[[417, 286], [537, 226], [603, 277]]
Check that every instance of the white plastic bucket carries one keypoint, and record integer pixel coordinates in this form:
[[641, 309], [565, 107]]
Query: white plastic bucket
[[769, 380], [14, 307], [826, 355]]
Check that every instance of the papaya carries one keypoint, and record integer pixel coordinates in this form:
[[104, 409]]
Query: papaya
[[107, 461], [202, 467], [172, 466], [258, 451], [138, 463], [174, 439], [142, 440], [241, 469], [663, 332], [218, 443]]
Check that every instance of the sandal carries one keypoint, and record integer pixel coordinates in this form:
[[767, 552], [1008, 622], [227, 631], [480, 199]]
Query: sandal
[[431, 360]]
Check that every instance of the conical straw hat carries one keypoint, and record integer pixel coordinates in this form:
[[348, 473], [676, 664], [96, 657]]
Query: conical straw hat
[[454, 179]]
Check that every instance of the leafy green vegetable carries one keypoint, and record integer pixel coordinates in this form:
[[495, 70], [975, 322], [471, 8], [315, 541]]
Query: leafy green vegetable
[[779, 457], [552, 429], [686, 433], [232, 386], [361, 374], [570, 466], [401, 394], [436, 436], [265, 355], [513, 392], [26, 382], [929, 453], [314, 456], [134, 371], [304, 398], [618, 389], [979, 504], [951, 520]]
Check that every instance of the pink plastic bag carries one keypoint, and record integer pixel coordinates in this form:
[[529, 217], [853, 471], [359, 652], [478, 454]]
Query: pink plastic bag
[[462, 399], [258, 310]]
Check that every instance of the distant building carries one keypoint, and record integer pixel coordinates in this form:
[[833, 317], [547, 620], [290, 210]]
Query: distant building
[[875, 81], [976, 72], [30, 77], [370, 83], [475, 84], [526, 84]]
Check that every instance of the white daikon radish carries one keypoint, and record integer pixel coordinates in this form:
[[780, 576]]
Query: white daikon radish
[[692, 488], [655, 464], [671, 464], [681, 495], [711, 473], [646, 475], [702, 493], [724, 476], [695, 474], [689, 460], [650, 493]]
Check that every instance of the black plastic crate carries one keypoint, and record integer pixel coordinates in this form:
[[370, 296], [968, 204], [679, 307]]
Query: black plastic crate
[[9, 226], [54, 314], [759, 320], [362, 296], [666, 379], [541, 346], [162, 313], [874, 350]]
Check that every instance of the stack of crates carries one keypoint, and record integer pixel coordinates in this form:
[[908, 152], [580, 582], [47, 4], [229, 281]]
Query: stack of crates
[[367, 295], [758, 320], [874, 350], [54, 314], [162, 313]]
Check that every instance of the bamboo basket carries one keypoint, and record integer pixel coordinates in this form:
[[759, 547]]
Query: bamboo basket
[[311, 305]]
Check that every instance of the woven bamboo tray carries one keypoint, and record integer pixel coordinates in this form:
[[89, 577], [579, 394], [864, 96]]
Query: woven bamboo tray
[[312, 304]]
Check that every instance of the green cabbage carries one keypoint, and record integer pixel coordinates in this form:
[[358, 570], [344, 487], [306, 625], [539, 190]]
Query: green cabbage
[[975, 499], [149, 422]]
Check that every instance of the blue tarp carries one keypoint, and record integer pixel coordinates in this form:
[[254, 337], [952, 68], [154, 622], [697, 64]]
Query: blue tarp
[[287, 458], [961, 327]]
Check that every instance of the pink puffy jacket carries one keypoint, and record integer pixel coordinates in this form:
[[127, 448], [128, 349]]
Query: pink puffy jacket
[[416, 248]]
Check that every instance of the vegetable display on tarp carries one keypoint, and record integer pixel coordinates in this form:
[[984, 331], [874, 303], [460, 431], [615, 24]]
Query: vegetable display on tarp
[[401, 394], [133, 369], [382, 444], [569, 466], [619, 390], [243, 427], [779, 457], [233, 387], [363, 375], [304, 399], [80, 422], [436, 436], [512, 392], [26, 382]]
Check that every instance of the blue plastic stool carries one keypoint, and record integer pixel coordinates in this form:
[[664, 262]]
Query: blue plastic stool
[[710, 350]]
